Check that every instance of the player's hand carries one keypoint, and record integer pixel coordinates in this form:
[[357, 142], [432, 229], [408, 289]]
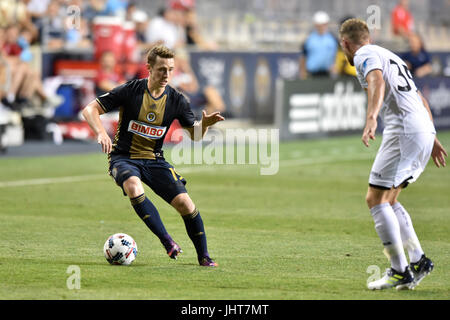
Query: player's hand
[[105, 141], [369, 131], [438, 154], [210, 119]]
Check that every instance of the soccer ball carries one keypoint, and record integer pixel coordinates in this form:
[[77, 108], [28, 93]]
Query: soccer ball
[[120, 249]]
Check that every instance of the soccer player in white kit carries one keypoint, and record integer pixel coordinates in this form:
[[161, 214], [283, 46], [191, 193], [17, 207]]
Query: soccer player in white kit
[[409, 139]]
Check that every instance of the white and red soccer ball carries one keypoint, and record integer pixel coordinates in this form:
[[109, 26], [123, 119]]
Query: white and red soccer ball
[[120, 249]]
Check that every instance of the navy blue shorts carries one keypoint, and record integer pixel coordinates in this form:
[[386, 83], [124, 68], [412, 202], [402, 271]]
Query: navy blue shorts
[[158, 174]]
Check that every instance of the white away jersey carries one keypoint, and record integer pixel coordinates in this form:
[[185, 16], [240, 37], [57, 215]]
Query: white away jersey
[[402, 110]]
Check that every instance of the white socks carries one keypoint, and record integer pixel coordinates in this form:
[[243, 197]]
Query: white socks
[[409, 238], [388, 229]]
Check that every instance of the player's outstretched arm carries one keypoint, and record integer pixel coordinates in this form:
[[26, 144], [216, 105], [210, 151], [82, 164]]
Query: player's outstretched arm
[[207, 121], [92, 114], [375, 97], [438, 153], [211, 119]]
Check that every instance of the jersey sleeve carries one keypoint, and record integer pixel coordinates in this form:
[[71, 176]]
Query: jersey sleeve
[[185, 115], [115, 98], [366, 62]]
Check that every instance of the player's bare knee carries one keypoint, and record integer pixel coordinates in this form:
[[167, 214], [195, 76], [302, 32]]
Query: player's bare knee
[[183, 204], [370, 199], [371, 202], [184, 208], [133, 187], [375, 197]]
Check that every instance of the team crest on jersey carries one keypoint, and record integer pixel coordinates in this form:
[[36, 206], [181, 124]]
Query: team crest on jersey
[[146, 130], [151, 116]]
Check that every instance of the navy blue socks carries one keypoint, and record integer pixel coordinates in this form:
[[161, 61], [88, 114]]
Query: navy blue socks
[[149, 214], [196, 232]]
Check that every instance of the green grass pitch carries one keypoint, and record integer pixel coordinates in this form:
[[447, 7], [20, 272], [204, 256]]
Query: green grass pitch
[[304, 233]]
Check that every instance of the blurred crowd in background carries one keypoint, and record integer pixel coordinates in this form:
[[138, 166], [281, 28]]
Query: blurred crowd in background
[[29, 28]]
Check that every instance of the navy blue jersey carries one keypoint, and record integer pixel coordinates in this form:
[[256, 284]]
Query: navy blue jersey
[[144, 120]]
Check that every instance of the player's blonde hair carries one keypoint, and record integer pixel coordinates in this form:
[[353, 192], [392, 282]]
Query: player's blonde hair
[[356, 30], [159, 51]]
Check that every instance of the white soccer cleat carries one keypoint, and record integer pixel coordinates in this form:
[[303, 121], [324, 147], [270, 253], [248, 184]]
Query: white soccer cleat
[[394, 279]]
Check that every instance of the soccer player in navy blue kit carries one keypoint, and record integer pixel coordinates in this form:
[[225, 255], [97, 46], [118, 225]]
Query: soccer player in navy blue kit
[[147, 108]]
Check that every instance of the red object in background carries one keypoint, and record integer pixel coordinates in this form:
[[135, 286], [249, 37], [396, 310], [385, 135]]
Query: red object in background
[[108, 36], [90, 69], [76, 130], [129, 45], [142, 71], [12, 49], [111, 76], [170, 137], [182, 4], [401, 19], [80, 130], [86, 69], [115, 35]]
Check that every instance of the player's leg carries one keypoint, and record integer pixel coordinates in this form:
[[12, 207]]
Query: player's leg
[[149, 214], [127, 174], [169, 185], [409, 238], [420, 264], [416, 151], [133, 187], [194, 227], [379, 193], [381, 182], [388, 230], [387, 226]]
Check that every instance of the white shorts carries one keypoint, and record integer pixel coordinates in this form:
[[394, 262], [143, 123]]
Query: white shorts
[[401, 158]]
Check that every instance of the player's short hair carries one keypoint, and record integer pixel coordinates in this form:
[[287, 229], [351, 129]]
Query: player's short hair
[[159, 51], [356, 30]]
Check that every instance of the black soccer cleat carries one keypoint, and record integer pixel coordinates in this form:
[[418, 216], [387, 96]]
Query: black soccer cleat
[[421, 268]]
